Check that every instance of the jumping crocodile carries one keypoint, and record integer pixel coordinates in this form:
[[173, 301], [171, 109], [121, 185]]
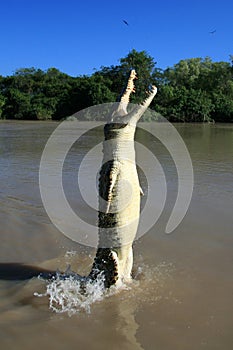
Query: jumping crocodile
[[119, 195], [119, 191]]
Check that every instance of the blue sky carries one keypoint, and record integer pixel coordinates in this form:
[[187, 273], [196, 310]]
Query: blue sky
[[78, 36]]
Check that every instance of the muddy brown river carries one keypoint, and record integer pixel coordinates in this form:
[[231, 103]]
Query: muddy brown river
[[182, 294]]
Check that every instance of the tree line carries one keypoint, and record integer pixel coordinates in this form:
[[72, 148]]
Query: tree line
[[193, 90]]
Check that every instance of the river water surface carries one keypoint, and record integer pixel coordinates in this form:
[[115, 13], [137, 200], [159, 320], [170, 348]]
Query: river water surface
[[182, 294]]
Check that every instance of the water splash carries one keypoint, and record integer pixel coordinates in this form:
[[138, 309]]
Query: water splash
[[70, 293], [67, 295]]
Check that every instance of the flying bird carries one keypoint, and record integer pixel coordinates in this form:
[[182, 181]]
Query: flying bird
[[213, 31], [125, 22]]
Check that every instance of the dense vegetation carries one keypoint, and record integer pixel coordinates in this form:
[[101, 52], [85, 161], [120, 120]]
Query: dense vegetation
[[193, 90]]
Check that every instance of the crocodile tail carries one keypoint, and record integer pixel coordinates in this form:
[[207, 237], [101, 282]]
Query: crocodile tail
[[106, 263]]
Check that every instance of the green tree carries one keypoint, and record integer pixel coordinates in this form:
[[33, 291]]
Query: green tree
[[34, 94], [194, 89], [2, 103], [185, 73], [206, 91], [99, 90], [17, 106], [223, 107]]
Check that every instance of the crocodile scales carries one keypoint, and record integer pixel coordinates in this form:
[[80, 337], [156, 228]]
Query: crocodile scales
[[119, 196], [119, 191]]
